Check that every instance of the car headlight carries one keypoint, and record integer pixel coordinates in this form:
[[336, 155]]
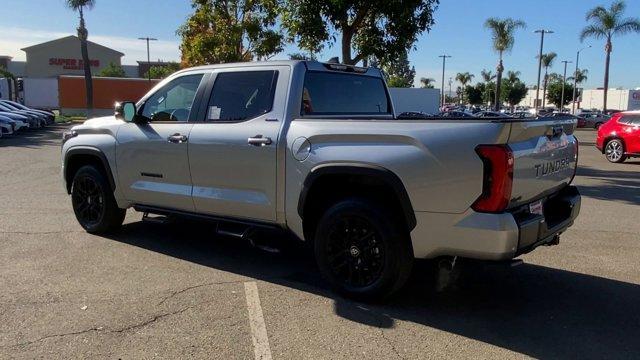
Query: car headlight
[[68, 135]]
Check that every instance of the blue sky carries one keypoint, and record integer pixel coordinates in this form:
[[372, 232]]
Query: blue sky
[[458, 31]]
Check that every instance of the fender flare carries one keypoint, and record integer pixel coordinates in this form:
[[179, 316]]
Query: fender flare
[[387, 176], [82, 150]]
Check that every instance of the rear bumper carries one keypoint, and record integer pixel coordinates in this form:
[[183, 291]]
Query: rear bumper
[[495, 236]]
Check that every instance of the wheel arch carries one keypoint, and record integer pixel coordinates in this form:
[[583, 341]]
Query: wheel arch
[[77, 157], [354, 176]]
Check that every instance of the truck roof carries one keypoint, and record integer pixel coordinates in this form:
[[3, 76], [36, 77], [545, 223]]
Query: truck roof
[[309, 64]]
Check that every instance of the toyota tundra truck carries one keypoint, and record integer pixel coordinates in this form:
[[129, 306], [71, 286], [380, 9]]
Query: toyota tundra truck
[[315, 150]]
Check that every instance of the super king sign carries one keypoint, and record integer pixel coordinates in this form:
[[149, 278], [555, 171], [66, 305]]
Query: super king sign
[[634, 100], [72, 64]]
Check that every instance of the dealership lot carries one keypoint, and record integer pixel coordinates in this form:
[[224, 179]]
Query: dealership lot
[[171, 291]]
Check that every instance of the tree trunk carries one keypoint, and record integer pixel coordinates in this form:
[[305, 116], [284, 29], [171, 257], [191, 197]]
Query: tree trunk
[[500, 69], [608, 49], [83, 34], [347, 35]]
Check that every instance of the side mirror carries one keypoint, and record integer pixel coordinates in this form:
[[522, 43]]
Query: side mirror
[[126, 111]]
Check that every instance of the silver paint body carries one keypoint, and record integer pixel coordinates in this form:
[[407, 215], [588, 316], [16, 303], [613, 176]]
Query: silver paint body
[[217, 173]]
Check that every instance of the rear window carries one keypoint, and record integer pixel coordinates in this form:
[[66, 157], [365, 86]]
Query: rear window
[[337, 94], [630, 119]]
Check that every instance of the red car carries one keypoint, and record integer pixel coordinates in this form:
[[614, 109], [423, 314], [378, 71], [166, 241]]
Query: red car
[[619, 138]]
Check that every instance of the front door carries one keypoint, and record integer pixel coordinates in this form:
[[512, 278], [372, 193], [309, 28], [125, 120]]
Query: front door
[[152, 155], [232, 150]]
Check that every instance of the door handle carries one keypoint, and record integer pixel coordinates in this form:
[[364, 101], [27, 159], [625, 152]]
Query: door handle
[[177, 138], [259, 140]]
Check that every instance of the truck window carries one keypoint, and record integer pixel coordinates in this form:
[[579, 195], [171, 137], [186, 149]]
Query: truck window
[[328, 93], [243, 95], [173, 101]]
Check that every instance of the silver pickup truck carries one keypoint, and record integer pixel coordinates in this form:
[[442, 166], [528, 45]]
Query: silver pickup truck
[[315, 150]]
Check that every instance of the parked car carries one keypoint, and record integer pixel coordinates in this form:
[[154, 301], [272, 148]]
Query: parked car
[[48, 115], [38, 120], [456, 114], [619, 138], [594, 120], [19, 121], [314, 150], [7, 126]]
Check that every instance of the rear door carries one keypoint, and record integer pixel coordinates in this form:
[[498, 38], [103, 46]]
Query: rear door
[[152, 157], [232, 147], [545, 157]]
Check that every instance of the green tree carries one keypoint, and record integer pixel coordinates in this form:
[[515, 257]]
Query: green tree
[[514, 89], [381, 28], [605, 24], [221, 31], [426, 83], [547, 62], [399, 73], [554, 94], [502, 33], [474, 94], [487, 76], [464, 79], [83, 34], [302, 56], [113, 70], [162, 71]]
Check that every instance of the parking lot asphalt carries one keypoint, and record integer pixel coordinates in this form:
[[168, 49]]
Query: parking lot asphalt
[[175, 291]]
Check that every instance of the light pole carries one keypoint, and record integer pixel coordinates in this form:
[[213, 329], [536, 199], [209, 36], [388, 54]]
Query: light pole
[[575, 80], [444, 61], [541, 32], [564, 81], [147, 39], [450, 83]]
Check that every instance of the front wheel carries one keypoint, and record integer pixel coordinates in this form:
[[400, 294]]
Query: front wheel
[[363, 250], [614, 151], [93, 202]]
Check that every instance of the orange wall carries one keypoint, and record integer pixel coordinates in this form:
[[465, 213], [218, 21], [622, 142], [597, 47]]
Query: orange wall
[[106, 91]]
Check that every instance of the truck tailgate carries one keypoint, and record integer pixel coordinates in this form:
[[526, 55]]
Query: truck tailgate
[[545, 156]]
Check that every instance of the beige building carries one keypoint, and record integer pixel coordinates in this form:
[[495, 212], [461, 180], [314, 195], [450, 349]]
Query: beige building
[[63, 57]]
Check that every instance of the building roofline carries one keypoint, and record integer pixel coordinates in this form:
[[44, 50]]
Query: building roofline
[[25, 49]]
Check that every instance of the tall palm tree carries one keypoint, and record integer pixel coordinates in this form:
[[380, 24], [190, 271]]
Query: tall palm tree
[[464, 79], [605, 24], [502, 31], [547, 62], [427, 83], [83, 34]]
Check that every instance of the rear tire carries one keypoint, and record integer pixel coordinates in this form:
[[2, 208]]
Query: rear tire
[[363, 250], [614, 151], [93, 202]]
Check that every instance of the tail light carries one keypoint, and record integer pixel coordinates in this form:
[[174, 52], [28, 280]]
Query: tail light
[[575, 169], [498, 178]]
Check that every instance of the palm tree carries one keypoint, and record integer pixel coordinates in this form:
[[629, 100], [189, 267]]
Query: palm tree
[[547, 62], [464, 79], [581, 76], [502, 31], [605, 24], [427, 83], [513, 76], [79, 6], [487, 76]]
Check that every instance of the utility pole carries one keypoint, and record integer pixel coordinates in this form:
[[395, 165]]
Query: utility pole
[[564, 81], [450, 83], [575, 80], [147, 39], [444, 61], [541, 32]]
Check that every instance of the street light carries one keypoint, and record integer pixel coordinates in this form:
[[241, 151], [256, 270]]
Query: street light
[[444, 60], [575, 80], [541, 32], [147, 39], [564, 80]]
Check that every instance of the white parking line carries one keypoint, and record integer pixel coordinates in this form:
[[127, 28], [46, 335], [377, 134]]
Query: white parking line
[[259, 337]]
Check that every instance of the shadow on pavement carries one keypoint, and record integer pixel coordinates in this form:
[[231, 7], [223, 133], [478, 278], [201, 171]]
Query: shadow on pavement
[[612, 185], [533, 310], [35, 138]]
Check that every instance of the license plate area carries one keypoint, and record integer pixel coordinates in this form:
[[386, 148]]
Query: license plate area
[[536, 208]]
